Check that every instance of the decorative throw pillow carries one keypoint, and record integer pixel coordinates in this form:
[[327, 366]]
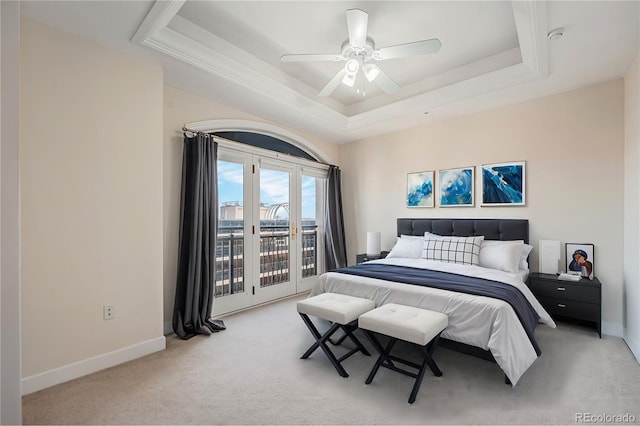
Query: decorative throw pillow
[[464, 250], [408, 247]]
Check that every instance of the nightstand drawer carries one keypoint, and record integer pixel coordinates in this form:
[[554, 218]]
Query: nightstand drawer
[[571, 308], [564, 290]]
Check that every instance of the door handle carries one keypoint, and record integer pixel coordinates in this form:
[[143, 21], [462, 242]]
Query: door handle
[[293, 231]]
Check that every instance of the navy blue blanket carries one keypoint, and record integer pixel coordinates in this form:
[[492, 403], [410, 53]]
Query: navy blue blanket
[[454, 282]]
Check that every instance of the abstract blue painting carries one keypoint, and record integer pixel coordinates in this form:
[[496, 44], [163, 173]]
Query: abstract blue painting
[[456, 187], [420, 189], [503, 184]]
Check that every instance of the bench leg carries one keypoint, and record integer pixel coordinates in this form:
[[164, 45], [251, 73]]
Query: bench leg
[[386, 360], [428, 354], [348, 331], [321, 340], [418, 382], [384, 354]]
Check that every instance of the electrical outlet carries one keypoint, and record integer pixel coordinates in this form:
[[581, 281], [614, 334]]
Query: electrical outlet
[[108, 312]]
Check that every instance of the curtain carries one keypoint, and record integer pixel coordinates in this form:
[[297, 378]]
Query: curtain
[[197, 246], [334, 239]]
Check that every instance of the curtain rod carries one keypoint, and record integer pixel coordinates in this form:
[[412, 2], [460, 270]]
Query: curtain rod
[[186, 129]]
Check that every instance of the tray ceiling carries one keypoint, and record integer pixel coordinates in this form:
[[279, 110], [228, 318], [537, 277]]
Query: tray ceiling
[[493, 53]]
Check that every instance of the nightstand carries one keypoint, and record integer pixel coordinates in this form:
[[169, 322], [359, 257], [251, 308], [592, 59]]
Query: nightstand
[[569, 300], [366, 257]]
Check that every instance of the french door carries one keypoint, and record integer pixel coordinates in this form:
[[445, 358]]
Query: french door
[[269, 225]]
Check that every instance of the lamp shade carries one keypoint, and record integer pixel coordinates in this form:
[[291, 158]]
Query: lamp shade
[[373, 243]]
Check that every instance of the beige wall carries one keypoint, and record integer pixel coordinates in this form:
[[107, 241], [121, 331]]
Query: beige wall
[[631, 306], [180, 108], [91, 176], [573, 145], [100, 193]]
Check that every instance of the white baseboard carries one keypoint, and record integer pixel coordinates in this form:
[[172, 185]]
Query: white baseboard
[[634, 345], [91, 365], [168, 328], [612, 329]]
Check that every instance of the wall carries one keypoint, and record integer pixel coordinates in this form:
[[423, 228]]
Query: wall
[[631, 307], [10, 390], [573, 145], [180, 108], [91, 208]]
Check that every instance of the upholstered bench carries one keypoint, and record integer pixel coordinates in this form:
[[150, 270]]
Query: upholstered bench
[[410, 324], [343, 311]]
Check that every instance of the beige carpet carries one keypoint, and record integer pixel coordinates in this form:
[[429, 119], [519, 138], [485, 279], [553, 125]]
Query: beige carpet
[[251, 374]]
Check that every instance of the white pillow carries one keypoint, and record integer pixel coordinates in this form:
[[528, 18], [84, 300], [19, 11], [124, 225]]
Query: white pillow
[[408, 247], [413, 237], [526, 249], [504, 257], [464, 250]]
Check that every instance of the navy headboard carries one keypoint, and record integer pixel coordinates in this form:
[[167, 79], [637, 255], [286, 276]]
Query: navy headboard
[[492, 229]]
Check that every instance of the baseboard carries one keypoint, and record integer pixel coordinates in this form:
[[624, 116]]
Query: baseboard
[[91, 365], [612, 329], [633, 345], [168, 328], [248, 308]]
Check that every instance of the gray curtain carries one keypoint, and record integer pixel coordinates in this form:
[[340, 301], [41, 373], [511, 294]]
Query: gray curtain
[[334, 239], [197, 245]]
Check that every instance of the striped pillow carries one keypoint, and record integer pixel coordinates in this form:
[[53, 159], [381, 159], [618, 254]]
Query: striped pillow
[[464, 250]]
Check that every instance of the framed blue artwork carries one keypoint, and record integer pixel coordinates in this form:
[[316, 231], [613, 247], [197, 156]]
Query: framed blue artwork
[[420, 189], [456, 187], [503, 184]]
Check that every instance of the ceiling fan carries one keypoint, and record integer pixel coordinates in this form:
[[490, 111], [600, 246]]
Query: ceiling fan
[[359, 50]]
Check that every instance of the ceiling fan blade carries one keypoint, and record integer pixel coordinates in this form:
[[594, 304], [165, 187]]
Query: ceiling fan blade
[[385, 83], [357, 26], [311, 58], [408, 49], [333, 84]]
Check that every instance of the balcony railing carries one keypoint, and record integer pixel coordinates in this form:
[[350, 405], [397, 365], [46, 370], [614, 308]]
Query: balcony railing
[[274, 257]]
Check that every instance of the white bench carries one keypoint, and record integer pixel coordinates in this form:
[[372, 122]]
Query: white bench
[[343, 311], [399, 322]]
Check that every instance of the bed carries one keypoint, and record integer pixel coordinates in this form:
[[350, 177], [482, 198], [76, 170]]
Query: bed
[[480, 323]]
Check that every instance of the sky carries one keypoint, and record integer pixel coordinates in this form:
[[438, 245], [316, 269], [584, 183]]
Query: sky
[[274, 187]]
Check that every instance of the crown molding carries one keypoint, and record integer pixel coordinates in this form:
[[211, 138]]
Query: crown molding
[[167, 32]]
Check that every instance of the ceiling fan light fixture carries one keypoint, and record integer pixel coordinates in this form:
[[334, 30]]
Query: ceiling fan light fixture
[[360, 86], [371, 72], [352, 66], [359, 49], [349, 80]]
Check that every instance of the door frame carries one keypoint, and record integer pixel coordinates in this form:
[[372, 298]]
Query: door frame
[[250, 156]]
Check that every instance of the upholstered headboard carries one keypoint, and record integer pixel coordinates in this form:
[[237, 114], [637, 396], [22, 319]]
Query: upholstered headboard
[[492, 229]]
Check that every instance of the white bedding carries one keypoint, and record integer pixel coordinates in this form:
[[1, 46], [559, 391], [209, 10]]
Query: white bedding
[[479, 321], [521, 275]]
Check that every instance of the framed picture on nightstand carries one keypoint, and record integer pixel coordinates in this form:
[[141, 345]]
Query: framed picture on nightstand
[[580, 259]]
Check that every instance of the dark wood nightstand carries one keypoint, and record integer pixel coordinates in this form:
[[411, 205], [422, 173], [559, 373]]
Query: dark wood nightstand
[[366, 257], [569, 300]]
